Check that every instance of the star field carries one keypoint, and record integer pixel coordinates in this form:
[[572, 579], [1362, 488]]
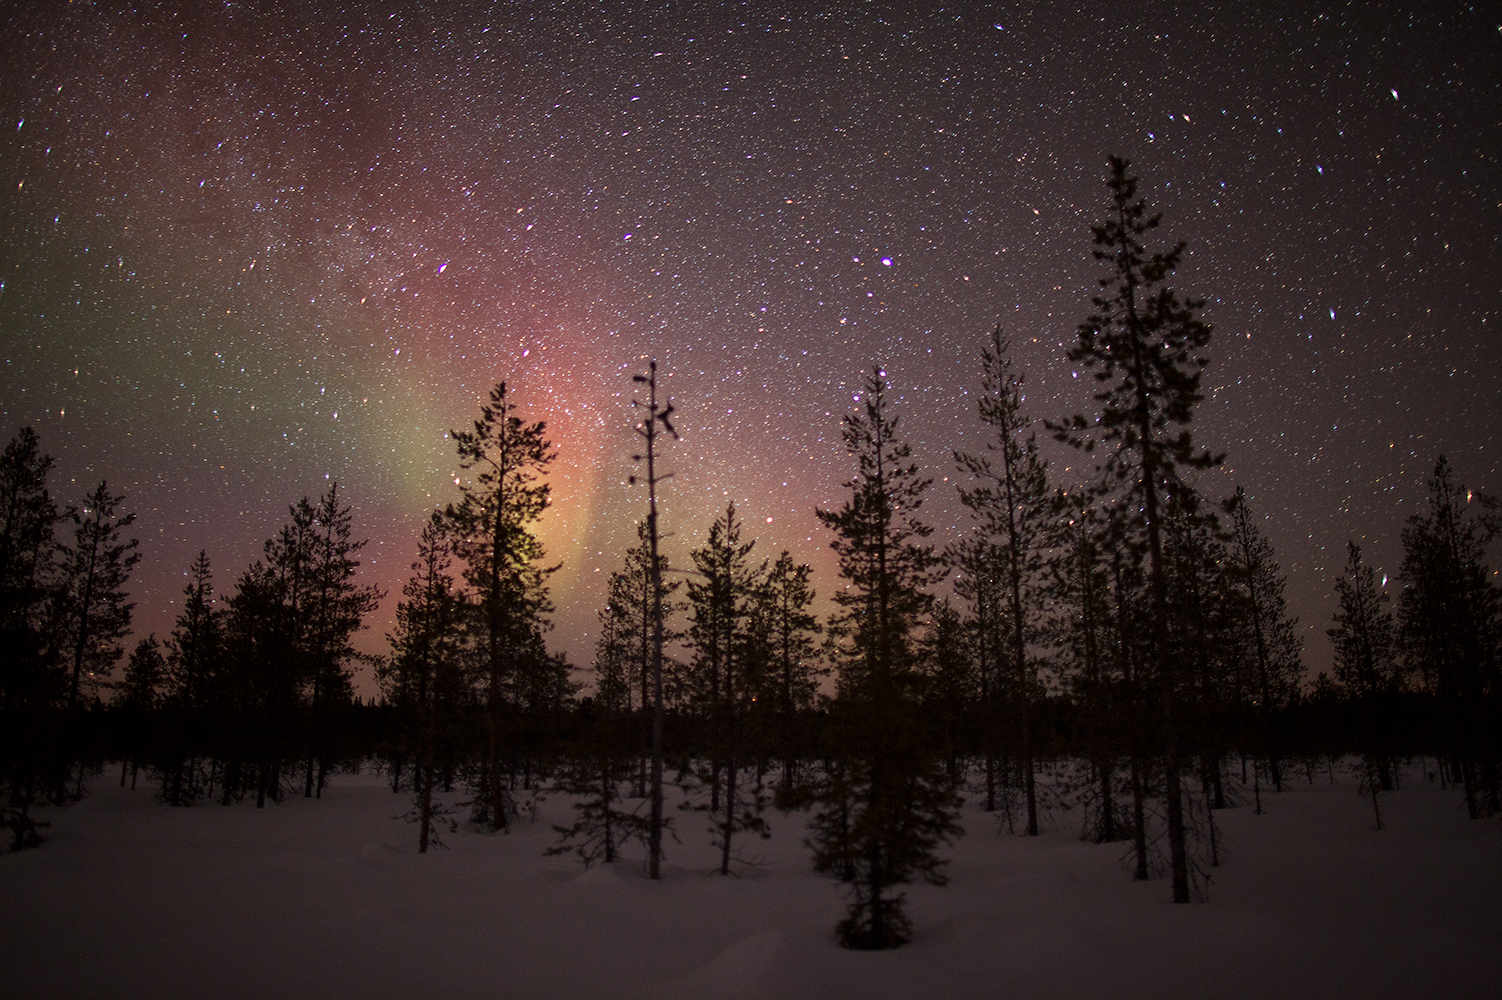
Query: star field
[[253, 248]]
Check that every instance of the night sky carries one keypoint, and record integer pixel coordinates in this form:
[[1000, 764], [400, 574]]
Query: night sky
[[251, 249]]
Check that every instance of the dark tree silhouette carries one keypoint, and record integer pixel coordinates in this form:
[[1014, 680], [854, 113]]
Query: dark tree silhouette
[[1450, 625], [424, 678], [335, 610], [1364, 662], [137, 699], [1267, 626], [1080, 588], [721, 601], [1013, 507], [1142, 344], [193, 649], [657, 420], [33, 762], [886, 806], [28, 548], [783, 602], [492, 526], [95, 612]]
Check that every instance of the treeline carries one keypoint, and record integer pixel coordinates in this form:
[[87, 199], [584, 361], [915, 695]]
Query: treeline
[[1122, 622]]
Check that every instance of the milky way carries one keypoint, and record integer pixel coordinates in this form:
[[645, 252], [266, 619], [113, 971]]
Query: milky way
[[250, 249]]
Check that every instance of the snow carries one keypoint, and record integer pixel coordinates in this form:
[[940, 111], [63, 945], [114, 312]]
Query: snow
[[328, 899]]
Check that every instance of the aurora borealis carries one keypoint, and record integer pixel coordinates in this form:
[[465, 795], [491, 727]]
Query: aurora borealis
[[252, 248]]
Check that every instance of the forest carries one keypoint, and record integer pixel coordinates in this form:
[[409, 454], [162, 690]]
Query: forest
[[1122, 629]]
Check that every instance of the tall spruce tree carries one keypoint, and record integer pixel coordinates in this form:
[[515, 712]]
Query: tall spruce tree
[[977, 564], [887, 806], [193, 648], [424, 679], [721, 601], [1268, 628], [136, 701], [1365, 664], [493, 527], [193, 694], [1142, 344], [950, 684], [1450, 626], [1013, 507], [95, 611], [785, 600], [1081, 592], [336, 610], [28, 554], [33, 765]]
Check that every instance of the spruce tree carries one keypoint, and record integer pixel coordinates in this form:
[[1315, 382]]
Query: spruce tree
[[1268, 628], [1013, 507], [1080, 590], [721, 599], [1142, 345], [424, 679], [335, 610], [977, 564], [1450, 625], [28, 553], [95, 612], [1365, 664], [784, 603], [886, 807], [137, 699], [493, 527], [193, 648], [33, 767]]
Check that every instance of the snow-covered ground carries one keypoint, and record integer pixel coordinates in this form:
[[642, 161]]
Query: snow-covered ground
[[330, 899]]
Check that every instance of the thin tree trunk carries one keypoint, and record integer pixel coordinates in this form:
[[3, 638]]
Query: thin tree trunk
[[1139, 821]]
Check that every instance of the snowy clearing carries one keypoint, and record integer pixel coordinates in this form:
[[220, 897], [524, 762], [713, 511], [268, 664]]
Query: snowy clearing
[[129, 898]]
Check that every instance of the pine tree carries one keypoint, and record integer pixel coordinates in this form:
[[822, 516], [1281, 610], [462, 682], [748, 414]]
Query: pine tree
[[1364, 662], [977, 563], [1206, 643], [1450, 617], [1013, 508], [494, 536], [424, 679], [95, 614], [1081, 592], [287, 643], [193, 649], [137, 699], [335, 610], [28, 552], [783, 614], [1142, 344], [1267, 625], [193, 696], [721, 599], [268, 659], [887, 806], [950, 685], [33, 766]]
